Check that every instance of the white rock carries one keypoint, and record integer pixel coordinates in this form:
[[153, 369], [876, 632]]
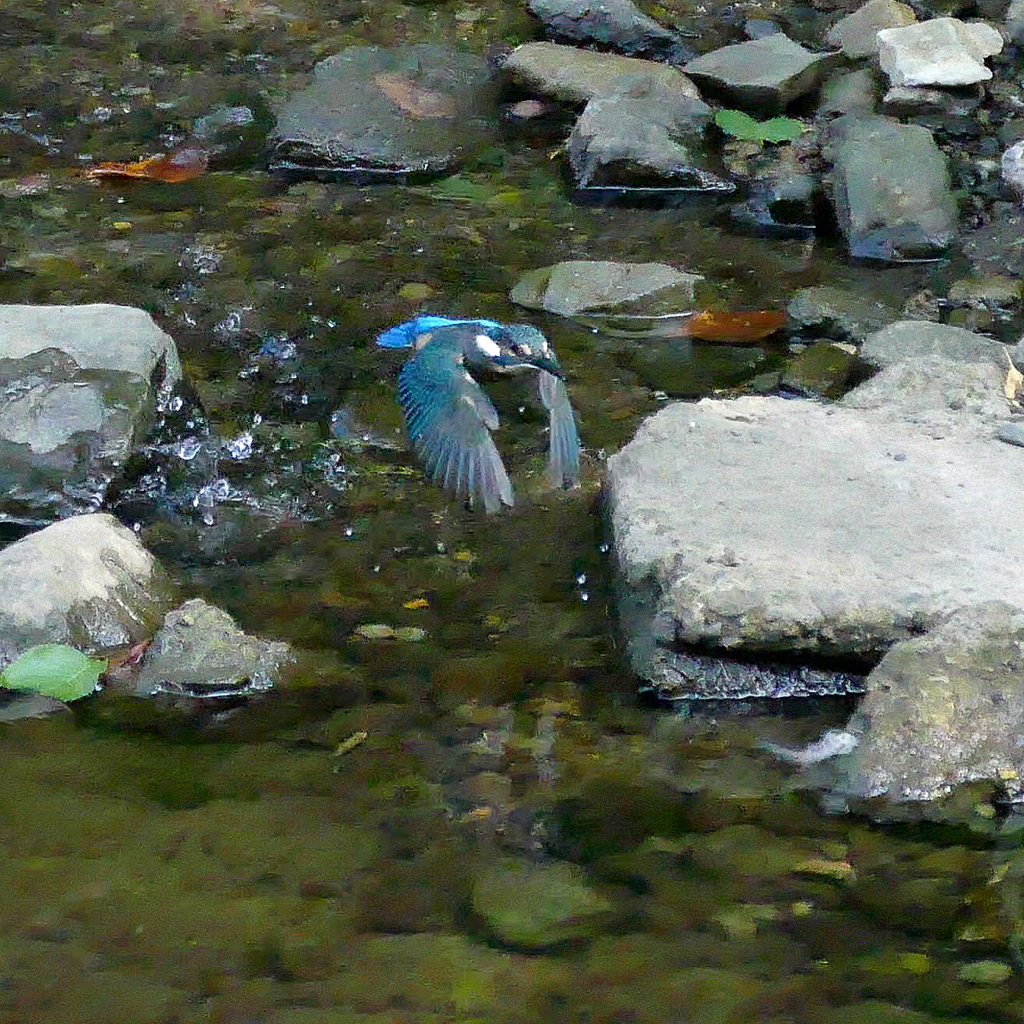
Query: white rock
[[943, 51], [98, 336], [1012, 166]]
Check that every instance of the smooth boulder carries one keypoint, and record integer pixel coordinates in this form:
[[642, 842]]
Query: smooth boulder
[[85, 581]]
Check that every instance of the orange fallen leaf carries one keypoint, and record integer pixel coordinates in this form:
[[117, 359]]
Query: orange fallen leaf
[[734, 327], [416, 603], [181, 165], [413, 98]]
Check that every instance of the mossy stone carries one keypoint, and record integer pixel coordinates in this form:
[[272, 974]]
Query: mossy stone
[[823, 370], [537, 906]]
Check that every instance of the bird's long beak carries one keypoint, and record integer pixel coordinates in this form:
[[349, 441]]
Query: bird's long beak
[[547, 362]]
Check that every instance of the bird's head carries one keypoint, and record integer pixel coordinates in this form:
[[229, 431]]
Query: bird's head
[[510, 348]]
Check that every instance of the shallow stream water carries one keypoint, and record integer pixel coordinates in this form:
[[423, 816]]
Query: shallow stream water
[[312, 857]]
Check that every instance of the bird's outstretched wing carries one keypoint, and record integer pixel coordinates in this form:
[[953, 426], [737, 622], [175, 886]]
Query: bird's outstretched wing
[[450, 420], [564, 440]]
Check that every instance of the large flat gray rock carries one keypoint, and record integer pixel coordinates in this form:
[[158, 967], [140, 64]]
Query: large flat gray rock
[[386, 113], [766, 527]]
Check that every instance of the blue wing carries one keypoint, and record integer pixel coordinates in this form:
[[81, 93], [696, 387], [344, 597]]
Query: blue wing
[[564, 440], [450, 420], [405, 335]]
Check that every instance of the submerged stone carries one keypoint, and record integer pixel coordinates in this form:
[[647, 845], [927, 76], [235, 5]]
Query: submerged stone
[[823, 370], [579, 286], [832, 312], [535, 906], [386, 113]]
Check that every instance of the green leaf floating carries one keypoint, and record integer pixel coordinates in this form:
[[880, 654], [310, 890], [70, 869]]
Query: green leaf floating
[[54, 670], [743, 126]]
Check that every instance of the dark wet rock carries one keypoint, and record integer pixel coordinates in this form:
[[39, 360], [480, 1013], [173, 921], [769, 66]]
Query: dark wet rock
[[683, 674], [579, 286], [78, 388], [783, 199], [380, 113], [575, 76], [199, 651], [616, 24], [760, 75], [857, 34], [942, 51], [891, 189], [1012, 433], [874, 533], [986, 245], [536, 906], [825, 311], [853, 92], [233, 136], [85, 581], [945, 709], [905, 101], [823, 370], [641, 134]]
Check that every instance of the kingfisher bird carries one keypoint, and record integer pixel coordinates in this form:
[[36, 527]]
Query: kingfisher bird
[[450, 419]]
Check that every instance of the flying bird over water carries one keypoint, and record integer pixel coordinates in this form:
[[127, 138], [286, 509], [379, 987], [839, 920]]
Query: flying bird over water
[[450, 418]]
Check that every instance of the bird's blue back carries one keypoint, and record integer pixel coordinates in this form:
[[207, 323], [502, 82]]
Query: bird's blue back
[[405, 335]]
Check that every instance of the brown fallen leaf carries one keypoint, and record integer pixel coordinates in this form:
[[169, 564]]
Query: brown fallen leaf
[[181, 165], [413, 98], [1014, 382], [735, 328], [721, 328]]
